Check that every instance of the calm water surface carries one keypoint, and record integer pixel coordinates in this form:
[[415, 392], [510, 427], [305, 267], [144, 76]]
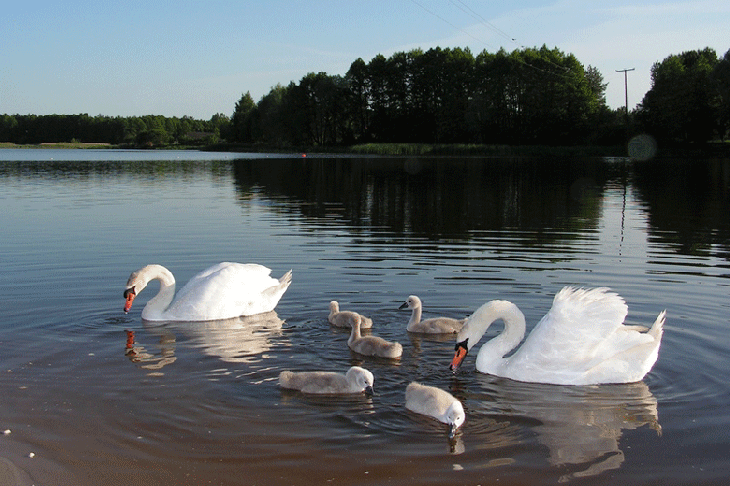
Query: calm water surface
[[100, 397]]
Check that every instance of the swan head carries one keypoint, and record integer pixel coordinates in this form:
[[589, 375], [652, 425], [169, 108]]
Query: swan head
[[411, 302], [478, 323], [460, 351], [455, 417], [363, 378], [135, 284], [139, 279], [463, 345], [129, 295]]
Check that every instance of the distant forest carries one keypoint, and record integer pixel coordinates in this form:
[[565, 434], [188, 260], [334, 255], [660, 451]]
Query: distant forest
[[530, 96], [137, 131]]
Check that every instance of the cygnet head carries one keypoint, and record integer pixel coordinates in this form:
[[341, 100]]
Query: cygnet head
[[363, 378], [455, 416], [412, 302]]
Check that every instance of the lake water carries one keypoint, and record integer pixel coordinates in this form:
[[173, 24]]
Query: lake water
[[100, 397]]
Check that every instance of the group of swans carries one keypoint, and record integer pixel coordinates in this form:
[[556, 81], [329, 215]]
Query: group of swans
[[582, 340]]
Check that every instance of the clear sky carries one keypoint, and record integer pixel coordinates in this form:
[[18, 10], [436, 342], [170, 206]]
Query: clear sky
[[196, 58]]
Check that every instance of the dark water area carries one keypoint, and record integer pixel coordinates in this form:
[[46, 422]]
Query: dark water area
[[99, 396]]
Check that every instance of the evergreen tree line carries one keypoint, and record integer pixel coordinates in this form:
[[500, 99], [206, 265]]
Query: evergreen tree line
[[138, 131], [689, 100], [438, 96], [528, 96]]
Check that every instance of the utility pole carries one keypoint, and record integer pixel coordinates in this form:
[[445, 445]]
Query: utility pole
[[626, 88]]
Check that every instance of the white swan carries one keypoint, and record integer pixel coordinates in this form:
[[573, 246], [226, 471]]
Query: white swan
[[436, 403], [372, 345], [580, 341], [340, 318], [356, 380], [434, 325], [223, 291]]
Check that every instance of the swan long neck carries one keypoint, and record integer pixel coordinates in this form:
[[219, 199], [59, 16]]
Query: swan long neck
[[156, 305], [415, 316], [355, 333], [479, 322], [334, 308]]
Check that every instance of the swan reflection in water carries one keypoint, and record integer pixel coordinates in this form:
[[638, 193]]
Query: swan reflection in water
[[236, 340], [581, 426]]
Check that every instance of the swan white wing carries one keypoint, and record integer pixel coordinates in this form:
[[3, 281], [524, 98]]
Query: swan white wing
[[223, 291], [580, 321]]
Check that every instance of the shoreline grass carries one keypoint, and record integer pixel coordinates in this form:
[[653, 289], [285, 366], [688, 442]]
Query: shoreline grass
[[717, 149]]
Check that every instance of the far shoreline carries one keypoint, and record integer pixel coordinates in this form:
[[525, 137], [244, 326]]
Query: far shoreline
[[716, 149]]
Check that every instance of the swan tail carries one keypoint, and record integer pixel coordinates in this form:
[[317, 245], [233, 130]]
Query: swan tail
[[396, 350], [285, 279], [657, 329], [286, 379]]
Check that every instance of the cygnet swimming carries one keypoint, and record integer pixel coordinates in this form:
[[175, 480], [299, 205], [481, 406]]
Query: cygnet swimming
[[356, 380], [436, 403], [372, 345], [343, 318], [434, 325]]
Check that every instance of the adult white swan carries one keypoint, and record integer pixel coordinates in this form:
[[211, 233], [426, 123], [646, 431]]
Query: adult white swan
[[581, 341], [223, 291]]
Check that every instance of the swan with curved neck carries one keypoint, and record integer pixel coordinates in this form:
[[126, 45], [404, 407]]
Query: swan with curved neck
[[223, 291], [581, 341]]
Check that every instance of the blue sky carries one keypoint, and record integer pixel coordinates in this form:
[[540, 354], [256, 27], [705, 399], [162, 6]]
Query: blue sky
[[196, 58]]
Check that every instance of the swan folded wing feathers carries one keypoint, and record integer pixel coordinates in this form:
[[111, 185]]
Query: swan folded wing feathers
[[223, 291], [629, 352], [580, 320]]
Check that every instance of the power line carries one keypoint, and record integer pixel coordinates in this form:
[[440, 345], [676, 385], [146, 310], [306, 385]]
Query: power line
[[467, 9], [565, 70], [452, 25]]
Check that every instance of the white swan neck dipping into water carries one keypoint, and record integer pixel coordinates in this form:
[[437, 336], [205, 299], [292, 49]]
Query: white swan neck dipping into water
[[223, 291], [581, 341], [436, 403], [434, 325], [344, 318], [372, 345], [356, 380]]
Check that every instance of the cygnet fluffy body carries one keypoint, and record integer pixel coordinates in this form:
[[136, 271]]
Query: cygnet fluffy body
[[340, 318], [436, 403], [434, 325], [372, 345], [356, 380]]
